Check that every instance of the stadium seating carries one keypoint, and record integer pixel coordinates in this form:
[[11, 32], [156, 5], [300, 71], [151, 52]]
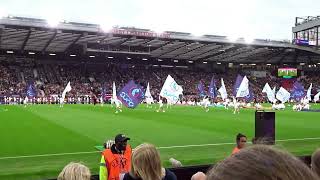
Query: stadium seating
[[87, 78]]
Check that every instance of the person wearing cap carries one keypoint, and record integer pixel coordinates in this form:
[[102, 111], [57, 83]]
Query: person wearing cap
[[116, 160]]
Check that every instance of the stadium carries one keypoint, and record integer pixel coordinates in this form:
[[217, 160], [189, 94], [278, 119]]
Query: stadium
[[66, 89]]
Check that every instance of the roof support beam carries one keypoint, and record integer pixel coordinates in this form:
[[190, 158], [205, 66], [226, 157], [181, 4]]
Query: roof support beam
[[179, 46], [210, 49], [76, 40], [189, 51], [26, 40], [54, 35]]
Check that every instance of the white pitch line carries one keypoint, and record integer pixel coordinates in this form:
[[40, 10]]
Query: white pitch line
[[165, 147], [219, 144], [46, 155], [302, 139], [194, 145]]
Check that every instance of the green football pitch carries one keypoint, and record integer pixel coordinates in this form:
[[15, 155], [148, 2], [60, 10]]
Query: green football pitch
[[39, 140]]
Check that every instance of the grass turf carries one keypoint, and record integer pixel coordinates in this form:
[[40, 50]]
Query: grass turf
[[48, 129]]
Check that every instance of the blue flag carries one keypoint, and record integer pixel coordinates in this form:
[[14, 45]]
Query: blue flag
[[131, 94], [237, 85], [201, 90], [213, 88], [31, 90], [250, 96], [297, 91]]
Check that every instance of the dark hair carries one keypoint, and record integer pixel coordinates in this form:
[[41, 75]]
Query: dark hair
[[240, 136], [261, 162], [315, 162], [254, 140]]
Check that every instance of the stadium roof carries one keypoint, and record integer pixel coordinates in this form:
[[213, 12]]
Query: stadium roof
[[35, 36]]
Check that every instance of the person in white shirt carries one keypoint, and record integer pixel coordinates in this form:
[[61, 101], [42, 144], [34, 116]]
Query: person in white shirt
[[160, 106], [258, 106], [236, 106], [101, 101], [169, 104], [118, 106], [206, 103], [149, 101], [61, 99], [281, 106], [226, 103], [25, 101]]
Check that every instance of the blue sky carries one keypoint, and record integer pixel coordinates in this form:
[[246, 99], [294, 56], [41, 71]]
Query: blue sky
[[268, 19]]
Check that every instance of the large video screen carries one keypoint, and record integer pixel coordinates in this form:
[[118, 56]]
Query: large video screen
[[287, 72]]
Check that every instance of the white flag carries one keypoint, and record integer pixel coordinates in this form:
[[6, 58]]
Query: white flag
[[243, 90], [265, 88], [66, 89], [274, 90], [316, 97], [270, 94], [148, 94], [171, 90], [283, 95], [309, 92], [114, 91], [223, 90]]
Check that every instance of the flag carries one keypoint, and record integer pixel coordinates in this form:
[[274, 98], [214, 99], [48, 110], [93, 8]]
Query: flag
[[131, 94], [270, 94], [243, 89], [274, 90], [283, 95], [237, 85], [297, 92], [148, 93], [223, 90], [114, 91], [31, 90], [316, 97], [171, 90], [201, 90], [309, 92], [250, 96], [213, 88], [66, 89]]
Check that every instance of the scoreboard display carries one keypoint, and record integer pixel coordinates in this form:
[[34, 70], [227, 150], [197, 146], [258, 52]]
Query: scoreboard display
[[287, 72]]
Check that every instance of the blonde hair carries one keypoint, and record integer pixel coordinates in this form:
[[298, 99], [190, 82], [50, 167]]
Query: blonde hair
[[261, 162], [315, 162], [146, 163], [75, 171]]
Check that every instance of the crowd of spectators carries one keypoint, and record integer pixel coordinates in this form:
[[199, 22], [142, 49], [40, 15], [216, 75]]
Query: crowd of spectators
[[87, 79]]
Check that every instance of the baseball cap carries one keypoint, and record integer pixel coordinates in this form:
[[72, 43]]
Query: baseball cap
[[121, 138]]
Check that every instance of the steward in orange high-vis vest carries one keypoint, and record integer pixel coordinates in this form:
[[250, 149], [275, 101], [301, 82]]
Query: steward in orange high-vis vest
[[116, 160]]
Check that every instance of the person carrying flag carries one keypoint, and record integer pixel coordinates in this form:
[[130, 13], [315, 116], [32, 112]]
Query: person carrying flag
[[206, 103], [25, 101], [161, 108], [236, 106], [118, 105]]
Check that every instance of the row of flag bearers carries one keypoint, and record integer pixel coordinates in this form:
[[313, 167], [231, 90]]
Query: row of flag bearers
[[132, 94]]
